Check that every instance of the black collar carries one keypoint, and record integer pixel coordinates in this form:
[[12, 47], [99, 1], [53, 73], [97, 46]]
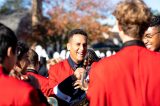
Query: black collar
[[133, 43], [73, 64], [3, 70], [32, 70]]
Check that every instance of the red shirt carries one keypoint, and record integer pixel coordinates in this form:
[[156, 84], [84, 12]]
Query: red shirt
[[129, 78], [17, 93]]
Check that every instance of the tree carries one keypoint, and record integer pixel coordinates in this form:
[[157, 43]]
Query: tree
[[63, 16], [12, 5], [36, 12], [69, 14]]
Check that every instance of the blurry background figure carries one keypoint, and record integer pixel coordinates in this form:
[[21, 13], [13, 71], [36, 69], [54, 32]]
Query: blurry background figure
[[108, 53], [43, 67], [14, 91], [41, 52], [63, 54], [151, 37], [56, 55], [22, 60], [36, 80]]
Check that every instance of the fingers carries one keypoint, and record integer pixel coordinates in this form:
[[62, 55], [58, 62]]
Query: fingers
[[79, 73], [24, 77], [77, 84], [77, 87]]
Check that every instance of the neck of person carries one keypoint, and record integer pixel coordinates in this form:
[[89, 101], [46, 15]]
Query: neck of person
[[76, 62], [126, 38]]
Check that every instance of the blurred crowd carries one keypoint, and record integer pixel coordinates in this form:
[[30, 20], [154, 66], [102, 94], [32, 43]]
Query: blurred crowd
[[82, 76]]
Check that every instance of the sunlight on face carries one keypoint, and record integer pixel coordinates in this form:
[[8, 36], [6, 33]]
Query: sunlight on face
[[151, 39], [78, 47]]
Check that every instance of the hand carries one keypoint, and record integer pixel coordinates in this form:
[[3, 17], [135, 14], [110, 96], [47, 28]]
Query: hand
[[53, 61], [79, 73], [78, 84], [24, 77]]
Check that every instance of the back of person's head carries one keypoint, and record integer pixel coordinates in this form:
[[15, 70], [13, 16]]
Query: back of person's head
[[33, 57], [133, 16], [7, 39], [22, 49], [76, 31]]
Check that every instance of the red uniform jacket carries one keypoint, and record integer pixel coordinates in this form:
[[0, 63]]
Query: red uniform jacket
[[57, 73], [42, 81], [129, 78], [16, 93]]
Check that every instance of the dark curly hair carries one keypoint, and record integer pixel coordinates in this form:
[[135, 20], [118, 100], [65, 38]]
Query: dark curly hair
[[155, 21]]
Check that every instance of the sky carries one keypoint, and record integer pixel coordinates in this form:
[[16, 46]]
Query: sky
[[153, 4], [1, 2]]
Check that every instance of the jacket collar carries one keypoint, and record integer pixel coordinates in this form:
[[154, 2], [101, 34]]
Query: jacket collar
[[32, 70], [133, 43], [73, 64]]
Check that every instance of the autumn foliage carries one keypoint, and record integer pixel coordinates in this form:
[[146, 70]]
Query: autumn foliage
[[66, 15]]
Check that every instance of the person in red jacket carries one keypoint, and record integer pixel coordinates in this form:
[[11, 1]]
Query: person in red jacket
[[61, 75], [32, 72], [131, 77], [13, 91]]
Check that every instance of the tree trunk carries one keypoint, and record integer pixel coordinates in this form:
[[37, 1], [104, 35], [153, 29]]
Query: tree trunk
[[36, 12]]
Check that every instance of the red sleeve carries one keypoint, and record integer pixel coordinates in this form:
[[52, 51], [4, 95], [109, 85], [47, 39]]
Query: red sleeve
[[52, 79], [58, 73], [96, 91], [53, 76]]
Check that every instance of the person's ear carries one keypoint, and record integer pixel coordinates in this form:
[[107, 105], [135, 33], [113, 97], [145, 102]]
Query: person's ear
[[9, 52], [68, 46]]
